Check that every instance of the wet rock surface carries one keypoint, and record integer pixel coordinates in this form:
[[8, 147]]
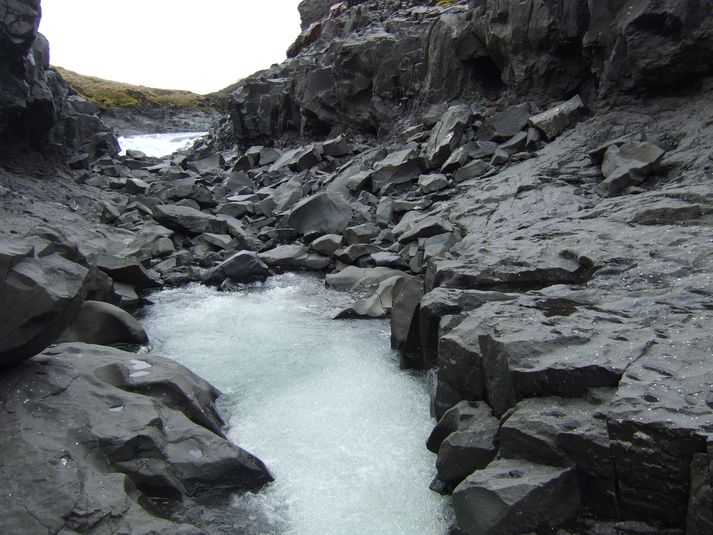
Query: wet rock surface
[[98, 440], [524, 188]]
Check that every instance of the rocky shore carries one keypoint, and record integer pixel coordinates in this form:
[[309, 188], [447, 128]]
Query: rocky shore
[[524, 188]]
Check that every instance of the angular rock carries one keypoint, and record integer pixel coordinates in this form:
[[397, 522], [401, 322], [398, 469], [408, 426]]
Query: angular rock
[[432, 183], [404, 322], [398, 167], [322, 213], [129, 271], [627, 165], [104, 324], [376, 305], [446, 135], [242, 267], [39, 297], [353, 278], [91, 433], [425, 228], [558, 119], [512, 496], [189, 220], [294, 257], [326, 245]]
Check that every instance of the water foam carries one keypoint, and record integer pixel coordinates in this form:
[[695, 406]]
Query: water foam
[[158, 145], [322, 402]]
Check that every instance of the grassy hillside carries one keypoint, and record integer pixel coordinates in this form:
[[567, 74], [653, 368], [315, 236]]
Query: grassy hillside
[[108, 94]]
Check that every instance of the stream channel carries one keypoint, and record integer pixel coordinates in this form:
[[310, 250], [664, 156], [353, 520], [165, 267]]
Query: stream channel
[[323, 402]]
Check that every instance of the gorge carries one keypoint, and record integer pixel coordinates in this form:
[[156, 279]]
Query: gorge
[[523, 188]]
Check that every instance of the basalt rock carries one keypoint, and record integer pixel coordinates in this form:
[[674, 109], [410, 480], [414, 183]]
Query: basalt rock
[[95, 437]]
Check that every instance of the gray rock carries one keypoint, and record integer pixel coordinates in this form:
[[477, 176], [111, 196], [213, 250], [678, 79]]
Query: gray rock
[[559, 118], [470, 442], [376, 305], [336, 147], [40, 297], [104, 324], [242, 267], [509, 122], [398, 167], [511, 496], [210, 164], [350, 254], [129, 271], [627, 165], [432, 183], [294, 257], [189, 220], [299, 159], [385, 212], [326, 245], [404, 322], [446, 135], [106, 431], [353, 278], [474, 169], [321, 213], [425, 228], [659, 418], [287, 195], [360, 234]]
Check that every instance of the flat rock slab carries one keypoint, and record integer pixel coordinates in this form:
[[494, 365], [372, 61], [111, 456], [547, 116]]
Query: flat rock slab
[[189, 220], [91, 432]]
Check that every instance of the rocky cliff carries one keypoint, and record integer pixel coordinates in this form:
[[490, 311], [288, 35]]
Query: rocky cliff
[[524, 187], [36, 108]]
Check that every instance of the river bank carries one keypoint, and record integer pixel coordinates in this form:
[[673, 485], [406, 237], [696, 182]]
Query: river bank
[[535, 225]]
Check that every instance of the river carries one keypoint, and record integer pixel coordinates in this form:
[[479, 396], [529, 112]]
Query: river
[[322, 402]]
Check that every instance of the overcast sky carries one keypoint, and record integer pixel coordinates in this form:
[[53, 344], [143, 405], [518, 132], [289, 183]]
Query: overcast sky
[[201, 45]]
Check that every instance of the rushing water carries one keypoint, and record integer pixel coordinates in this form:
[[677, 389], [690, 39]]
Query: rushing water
[[159, 144], [322, 402]]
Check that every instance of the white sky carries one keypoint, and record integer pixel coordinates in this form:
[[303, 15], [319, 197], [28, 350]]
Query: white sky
[[199, 45]]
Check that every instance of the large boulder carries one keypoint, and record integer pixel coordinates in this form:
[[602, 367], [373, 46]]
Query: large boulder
[[104, 324], [511, 496], [189, 220], [322, 213], [41, 293], [92, 433], [242, 267]]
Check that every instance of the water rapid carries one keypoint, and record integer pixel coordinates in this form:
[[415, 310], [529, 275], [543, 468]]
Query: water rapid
[[158, 145], [322, 402]]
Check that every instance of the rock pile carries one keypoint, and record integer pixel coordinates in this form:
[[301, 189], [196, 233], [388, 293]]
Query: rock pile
[[488, 175]]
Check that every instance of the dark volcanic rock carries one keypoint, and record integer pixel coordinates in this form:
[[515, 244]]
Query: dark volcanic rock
[[41, 293], [322, 213], [93, 433], [244, 266], [511, 496], [104, 324]]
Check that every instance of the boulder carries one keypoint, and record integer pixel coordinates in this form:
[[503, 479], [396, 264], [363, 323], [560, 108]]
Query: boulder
[[294, 257], [322, 213], [104, 324], [299, 159], [404, 322], [559, 118], [509, 122], [465, 439], [432, 183], [91, 433], [212, 164], [326, 245], [353, 278], [627, 165], [376, 305], [513, 496], [40, 296], [242, 267], [424, 228], [188, 220], [404, 165], [129, 271], [446, 135]]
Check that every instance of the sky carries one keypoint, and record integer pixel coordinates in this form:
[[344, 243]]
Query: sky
[[201, 46]]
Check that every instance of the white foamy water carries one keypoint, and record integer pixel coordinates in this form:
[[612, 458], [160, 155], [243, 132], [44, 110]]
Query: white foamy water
[[322, 402], [159, 144]]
